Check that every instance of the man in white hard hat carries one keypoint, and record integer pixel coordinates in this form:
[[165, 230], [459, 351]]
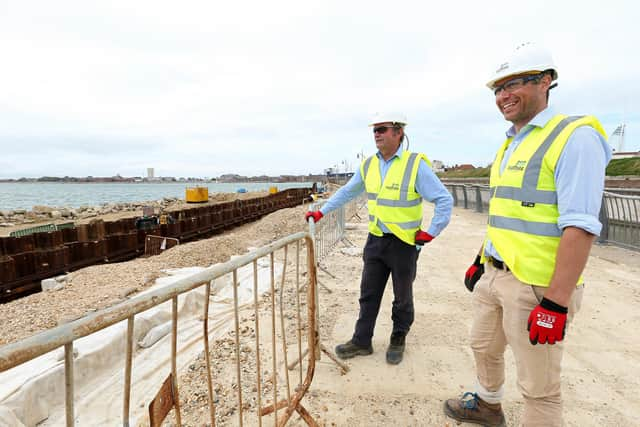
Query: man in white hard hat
[[396, 181], [546, 188]]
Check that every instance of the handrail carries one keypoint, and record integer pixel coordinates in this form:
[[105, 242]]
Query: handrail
[[14, 354]]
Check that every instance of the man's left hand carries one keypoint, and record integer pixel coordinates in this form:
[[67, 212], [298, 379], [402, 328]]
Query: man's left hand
[[547, 323], [423, 237]]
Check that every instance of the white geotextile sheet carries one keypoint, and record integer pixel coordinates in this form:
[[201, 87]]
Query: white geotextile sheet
[[33, 393]]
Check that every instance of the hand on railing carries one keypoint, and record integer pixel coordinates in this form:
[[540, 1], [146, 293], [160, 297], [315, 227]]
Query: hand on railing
[[316, 215]]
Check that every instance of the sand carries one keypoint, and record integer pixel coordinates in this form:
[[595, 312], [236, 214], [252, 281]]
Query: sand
[[601, 376]]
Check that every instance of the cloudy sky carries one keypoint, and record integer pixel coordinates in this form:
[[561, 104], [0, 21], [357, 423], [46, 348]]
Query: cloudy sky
[[204, 88]]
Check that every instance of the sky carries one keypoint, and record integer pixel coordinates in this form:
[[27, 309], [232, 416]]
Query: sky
[[206, 88]]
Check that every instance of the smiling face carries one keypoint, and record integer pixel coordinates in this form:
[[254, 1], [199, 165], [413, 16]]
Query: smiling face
[[520, 102]]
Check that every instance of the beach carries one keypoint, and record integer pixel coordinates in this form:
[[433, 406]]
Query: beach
[[602, 356]]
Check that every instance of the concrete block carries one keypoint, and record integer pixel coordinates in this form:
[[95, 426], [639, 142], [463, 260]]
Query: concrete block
[[49, 284]]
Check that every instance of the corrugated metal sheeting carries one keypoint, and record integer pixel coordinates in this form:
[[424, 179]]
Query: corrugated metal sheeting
[[26, 260]]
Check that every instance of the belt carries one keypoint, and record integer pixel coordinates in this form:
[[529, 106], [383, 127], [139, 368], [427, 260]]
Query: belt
[[499, 264]]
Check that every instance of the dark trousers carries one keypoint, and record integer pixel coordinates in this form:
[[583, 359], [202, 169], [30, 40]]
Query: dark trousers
[[384, 256]]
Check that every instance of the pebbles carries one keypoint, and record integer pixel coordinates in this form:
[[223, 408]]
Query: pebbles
[[101, 286]]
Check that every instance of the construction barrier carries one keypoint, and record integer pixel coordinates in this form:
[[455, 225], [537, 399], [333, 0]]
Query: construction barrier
[[619, 213], [331, 230], [620, 218], [262, 388]]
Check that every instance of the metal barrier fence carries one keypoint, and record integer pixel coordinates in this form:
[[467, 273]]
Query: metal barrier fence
[[331, 230], [292, 329], [620, 218], [619, 214]]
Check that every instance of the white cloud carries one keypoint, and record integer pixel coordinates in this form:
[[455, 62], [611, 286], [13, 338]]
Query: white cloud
[[206, 88]]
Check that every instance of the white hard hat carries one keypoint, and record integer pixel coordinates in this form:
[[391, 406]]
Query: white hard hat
[[385, 117], [527, 58]]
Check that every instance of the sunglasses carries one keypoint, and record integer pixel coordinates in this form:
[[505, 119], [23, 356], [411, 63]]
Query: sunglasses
[[515, 84], [382, 129]]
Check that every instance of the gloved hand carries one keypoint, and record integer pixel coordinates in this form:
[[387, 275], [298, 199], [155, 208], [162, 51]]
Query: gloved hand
[[473, 274], [316, 215], [547, 323], [423, 237]]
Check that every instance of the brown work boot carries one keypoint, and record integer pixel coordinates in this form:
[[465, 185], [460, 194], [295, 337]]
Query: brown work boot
[[349, 350], [471, 409]]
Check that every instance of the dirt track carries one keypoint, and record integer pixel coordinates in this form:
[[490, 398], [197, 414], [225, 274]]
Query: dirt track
[[601, 374]]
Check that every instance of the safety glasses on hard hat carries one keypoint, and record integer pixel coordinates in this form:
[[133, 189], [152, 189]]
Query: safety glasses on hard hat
[[515, 84], [382, 129]]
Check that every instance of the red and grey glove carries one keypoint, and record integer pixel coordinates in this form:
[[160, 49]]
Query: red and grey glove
[[423, 237], [473, 274], [547, 323], [316, 215]]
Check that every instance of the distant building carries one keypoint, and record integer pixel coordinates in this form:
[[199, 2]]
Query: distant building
[[150, 173], [462, 167]]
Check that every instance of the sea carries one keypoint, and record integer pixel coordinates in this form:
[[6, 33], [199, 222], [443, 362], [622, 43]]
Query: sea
[[26, 195]]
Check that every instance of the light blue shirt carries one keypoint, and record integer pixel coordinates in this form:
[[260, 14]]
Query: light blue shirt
[[579, 175], [428, 185]]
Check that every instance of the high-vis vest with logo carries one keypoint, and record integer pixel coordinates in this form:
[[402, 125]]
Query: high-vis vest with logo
[[523, 211], [394, 202]]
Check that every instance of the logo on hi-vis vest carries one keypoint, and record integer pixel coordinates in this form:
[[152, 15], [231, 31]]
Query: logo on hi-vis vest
[[519, 166], [393, 186]]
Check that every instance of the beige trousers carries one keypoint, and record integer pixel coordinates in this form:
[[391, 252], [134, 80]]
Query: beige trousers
[[501, 307]]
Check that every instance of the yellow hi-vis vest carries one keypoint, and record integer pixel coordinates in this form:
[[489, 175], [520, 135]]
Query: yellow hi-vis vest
[[523, 210], [394, 202]]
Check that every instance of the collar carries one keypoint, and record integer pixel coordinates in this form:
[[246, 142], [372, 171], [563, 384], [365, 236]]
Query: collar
[[540, 120], [397, 154]]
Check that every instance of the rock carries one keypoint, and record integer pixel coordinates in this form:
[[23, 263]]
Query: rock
[[55, 214], [19, 211], [48, 284], [7, 224], [41, 209]]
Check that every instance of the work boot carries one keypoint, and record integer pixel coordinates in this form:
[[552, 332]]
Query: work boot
[[471, 409], [396, 348], [349, 350]]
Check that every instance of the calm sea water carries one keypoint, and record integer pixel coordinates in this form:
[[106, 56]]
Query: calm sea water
[[27, 195]]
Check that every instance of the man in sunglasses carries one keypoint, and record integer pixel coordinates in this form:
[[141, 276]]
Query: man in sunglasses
[[546, 188], [396, 181]]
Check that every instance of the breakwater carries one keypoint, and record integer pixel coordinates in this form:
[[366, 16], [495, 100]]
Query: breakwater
[[26, 260], [23, 196]]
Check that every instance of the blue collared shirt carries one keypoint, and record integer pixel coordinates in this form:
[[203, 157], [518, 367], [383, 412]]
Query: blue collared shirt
[[579, 175], [428, 185]]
